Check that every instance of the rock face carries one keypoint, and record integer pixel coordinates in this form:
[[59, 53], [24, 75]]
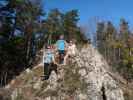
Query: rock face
[[101, 86], [86, 77]]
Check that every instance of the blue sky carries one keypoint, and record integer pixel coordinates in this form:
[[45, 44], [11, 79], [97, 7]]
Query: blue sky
[[89, 10]]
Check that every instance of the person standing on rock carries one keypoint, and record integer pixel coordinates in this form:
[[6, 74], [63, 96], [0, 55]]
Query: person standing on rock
[[48, 59], [71, 51], [61, 45]]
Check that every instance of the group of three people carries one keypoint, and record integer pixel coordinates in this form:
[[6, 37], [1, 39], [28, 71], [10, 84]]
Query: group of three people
[[63, 50]]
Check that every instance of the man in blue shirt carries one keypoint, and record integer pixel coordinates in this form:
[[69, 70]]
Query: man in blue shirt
[[61, 46]]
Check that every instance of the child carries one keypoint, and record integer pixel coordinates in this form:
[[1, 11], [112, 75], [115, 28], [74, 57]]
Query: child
[[48, 59], [72, 48], [71, 51]]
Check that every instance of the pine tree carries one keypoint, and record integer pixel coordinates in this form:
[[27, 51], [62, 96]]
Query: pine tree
[[54, 24], [70, 24], [100, 39], [16, 50]]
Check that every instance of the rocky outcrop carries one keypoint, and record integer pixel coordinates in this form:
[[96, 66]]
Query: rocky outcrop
[[101, 85], [86, 77]]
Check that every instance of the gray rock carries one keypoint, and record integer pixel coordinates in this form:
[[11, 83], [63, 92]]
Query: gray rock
[[101, 86]]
